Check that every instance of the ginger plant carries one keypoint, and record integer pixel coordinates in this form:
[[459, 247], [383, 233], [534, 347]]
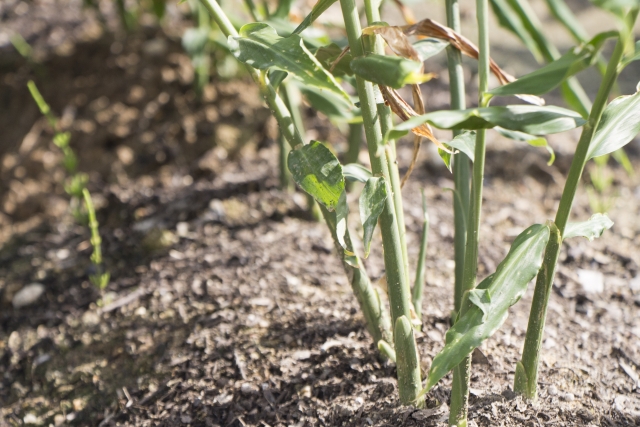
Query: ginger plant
[[362, 67]]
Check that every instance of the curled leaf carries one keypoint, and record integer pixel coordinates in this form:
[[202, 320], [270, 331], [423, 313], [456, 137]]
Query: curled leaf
[[590, 229]]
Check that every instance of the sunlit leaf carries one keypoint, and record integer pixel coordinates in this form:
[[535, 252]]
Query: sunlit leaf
[[429, 47], [493, 297], [318, 172], [392, 71], [261, 47], [356, 172], [194, 40], [532, 119], [553, 74], [371, 205], [594, 227], [620, 123]]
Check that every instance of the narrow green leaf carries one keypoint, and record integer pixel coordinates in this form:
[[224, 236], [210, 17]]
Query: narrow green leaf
[[392, 71], [503, 289], [465, 142], [386, 349], [356, 172], [532, 119], [330, 104], [617, 7], [261, 47], [320, 7], [429, 47], [371, 205], [533, 140], [554, 73], [510, 20], [620, 123], [590, 229], [318, 172]]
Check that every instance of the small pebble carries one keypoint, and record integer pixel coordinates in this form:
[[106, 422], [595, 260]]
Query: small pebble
[[552, 390], [27, 295], [567, 397]]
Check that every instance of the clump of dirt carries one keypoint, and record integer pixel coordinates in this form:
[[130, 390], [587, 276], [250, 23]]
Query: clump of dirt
[[227, 306]]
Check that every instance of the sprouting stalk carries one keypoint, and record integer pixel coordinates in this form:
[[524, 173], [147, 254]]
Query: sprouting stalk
[[399, 294], [461, 373], [368, 298], [418, 284], [526, 377], [372, 11], [461, 163], [100, 278]]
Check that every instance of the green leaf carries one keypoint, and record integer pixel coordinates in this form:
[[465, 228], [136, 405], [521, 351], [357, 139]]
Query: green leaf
[[620, 123], [318, 172], [465, 142], [392, 71], [481, 299], [371, 204], [533, 140], [259, 46], [327, 55], [330, 104], [510, 20], [590, 229], [554, 73], [617, 7], [317, 10], [356, 172], [429, 47], [532, 119], [503, 289]]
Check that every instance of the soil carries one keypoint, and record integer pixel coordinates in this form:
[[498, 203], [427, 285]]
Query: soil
[[227, 305]]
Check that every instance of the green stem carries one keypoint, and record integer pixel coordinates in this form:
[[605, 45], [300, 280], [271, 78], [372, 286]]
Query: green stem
[[418, 284], [372, 10], [526, 377], [399, 295], [461, 373], [461, 163]]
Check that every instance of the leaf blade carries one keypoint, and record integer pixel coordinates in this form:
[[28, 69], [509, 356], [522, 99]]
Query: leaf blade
[[371, 205], [318, 172], [620, 123], [503, 289], [260, 46], [590, 229]]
